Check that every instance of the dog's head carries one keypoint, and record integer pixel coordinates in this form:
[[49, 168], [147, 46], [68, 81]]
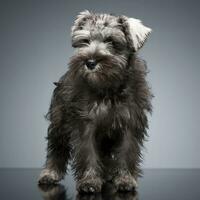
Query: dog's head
[[104, 43]]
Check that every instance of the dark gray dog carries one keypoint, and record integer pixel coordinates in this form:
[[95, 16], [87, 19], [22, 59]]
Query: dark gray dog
[[98, 112]]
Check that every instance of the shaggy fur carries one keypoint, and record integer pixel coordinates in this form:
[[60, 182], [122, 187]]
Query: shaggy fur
[[98, 116]]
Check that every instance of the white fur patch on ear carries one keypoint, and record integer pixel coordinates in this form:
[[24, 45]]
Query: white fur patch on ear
[[138, 32]]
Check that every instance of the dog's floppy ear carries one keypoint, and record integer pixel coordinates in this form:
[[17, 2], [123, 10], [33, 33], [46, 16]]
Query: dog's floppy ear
[[80, 19], [136, 33]]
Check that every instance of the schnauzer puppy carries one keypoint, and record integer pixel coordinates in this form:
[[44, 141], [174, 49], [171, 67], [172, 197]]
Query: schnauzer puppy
[[98, 112]]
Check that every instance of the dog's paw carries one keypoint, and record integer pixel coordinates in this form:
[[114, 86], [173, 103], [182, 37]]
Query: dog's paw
[[125, 183], [48, 176], [89, 185]]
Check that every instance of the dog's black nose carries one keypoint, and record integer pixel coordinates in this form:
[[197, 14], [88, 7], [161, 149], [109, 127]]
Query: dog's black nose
[[91, 63]]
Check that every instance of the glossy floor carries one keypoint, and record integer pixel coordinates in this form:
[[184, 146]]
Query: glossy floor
[[157, 184]]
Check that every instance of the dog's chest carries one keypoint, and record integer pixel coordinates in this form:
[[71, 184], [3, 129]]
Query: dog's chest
[[108, 113], [99, 110]]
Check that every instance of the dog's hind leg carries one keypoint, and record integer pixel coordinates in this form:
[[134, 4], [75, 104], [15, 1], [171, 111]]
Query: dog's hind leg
[[58, 148], [58, 153]]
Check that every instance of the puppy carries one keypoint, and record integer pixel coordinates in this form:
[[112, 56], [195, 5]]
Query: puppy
[[98, 112]]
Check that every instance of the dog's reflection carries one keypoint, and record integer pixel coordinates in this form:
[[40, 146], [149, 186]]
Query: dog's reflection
[[58, 192], [53, 192]]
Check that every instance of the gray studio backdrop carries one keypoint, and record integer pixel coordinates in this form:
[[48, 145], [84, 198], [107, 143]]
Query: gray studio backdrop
[[35, 47]]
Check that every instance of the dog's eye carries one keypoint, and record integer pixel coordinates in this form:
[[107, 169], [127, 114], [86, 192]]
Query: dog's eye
[[114, 43], [84, 41], [81, 43], [108, 40]]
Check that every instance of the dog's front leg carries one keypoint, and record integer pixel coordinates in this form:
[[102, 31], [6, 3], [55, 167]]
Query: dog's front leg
[[86, 163], [126, 163]]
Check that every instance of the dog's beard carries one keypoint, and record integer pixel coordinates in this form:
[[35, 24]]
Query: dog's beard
[[108, 73]]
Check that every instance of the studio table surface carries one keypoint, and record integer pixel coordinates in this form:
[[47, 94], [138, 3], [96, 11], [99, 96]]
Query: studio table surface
[[156, 184]]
